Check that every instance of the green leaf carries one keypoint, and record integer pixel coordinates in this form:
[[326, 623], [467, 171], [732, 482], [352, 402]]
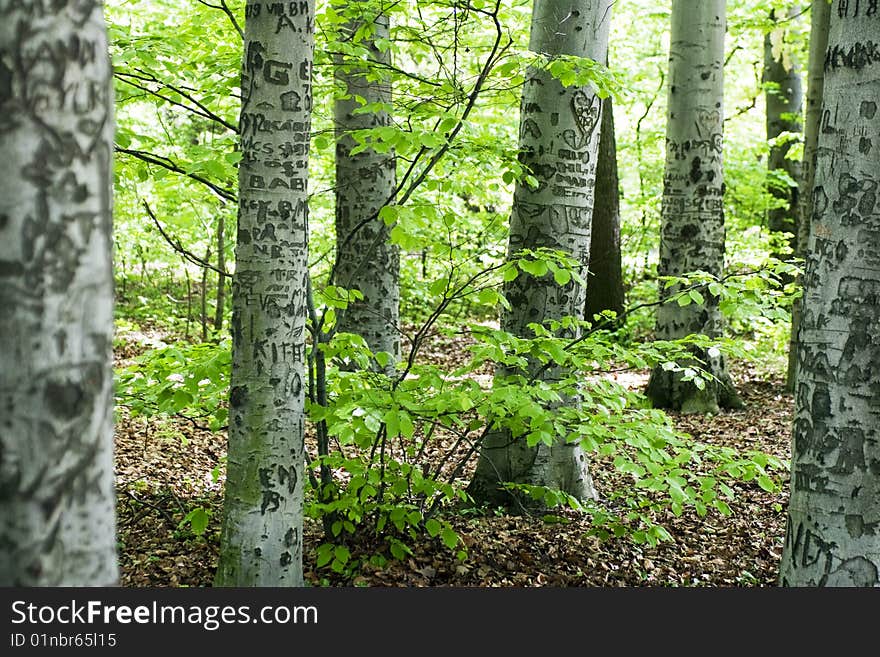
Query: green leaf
[[433, 527], [431, 140], [198, 520], [449, 537], [447, 124], [392, 426], [561, 276], [341, 554], [404, 239], [215, 168], [676, 492], [488, 297], [325, 554], [766, 483], [398, 550], [536, 268], [388, 214], [438, 287], [406, 425]]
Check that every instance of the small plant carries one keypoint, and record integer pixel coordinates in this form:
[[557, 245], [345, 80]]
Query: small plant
[[197, 520]]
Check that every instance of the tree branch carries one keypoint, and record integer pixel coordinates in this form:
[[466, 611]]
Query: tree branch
[[200, 108], [177, 246], [225, 9], [165, 163]]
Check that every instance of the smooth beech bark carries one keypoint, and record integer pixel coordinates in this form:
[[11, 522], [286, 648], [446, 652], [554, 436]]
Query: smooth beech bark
[[57, 493], [692, 221], [559, 142], [261, 536], [821, 14], [366, 259], [833, 532]]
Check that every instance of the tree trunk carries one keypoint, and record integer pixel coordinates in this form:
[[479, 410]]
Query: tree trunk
[[605, 282], [833, 532], [220, 306], [261, 538], [57, 498], [203, 295], [692, 221], [366, 259], [784, 97], [559, 141], [816, 71]]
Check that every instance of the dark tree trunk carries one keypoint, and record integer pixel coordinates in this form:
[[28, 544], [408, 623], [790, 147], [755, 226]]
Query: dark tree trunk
[[605, 280], [784, 98]]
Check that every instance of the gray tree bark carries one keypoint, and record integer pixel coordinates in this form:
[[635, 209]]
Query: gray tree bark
[[261, 536], [821, 13], [692, 221], [366, 259], [784, 99], [220, 306], [559, 142], [605, 281], [57, 498], [833, 532]]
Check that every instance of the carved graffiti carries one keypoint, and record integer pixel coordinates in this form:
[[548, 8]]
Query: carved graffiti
[[271, 280]]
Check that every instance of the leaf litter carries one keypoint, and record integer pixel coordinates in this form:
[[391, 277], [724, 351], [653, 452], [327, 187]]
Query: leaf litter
[[167, 468]]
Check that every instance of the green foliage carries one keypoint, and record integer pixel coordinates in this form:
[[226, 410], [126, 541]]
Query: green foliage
[[672, 471], [457, 72], [197, 520], [188, 380], [386, 428], [755, 299]]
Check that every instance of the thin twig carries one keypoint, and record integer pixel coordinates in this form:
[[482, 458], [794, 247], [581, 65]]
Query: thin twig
[[225, 9], [177, 246], [199, 110]]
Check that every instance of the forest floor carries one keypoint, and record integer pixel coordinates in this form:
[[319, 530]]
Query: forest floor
[[164, 470]]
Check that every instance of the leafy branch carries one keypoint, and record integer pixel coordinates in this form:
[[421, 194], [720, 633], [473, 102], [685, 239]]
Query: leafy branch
[[138, 81], [178, 246], [170, 165]]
